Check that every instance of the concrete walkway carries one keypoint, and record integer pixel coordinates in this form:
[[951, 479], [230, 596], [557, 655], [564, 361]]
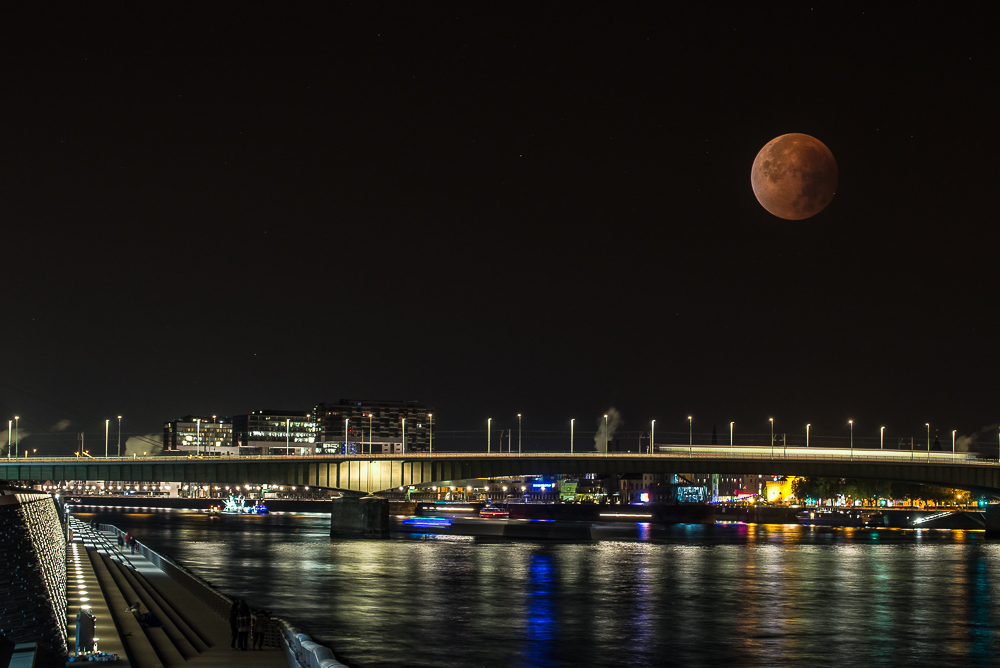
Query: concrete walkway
[[193, 635]]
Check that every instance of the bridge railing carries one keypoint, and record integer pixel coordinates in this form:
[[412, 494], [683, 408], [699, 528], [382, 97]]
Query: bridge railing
[[796, 452]]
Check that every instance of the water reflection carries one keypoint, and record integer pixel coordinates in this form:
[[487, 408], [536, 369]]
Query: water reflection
[[759, 595]]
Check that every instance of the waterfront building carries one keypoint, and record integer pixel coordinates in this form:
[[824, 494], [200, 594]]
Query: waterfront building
[[373, 426], [271, 432], [199, 435]]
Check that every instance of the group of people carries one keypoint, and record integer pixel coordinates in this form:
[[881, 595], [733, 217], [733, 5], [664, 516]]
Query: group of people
[[126, 539], [243, 621]]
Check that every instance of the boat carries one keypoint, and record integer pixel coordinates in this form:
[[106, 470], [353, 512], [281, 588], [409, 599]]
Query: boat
[[237, 505], [840, 518], [493, 511]]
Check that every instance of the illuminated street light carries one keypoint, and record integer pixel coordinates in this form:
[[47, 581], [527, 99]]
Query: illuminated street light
[[518, 433], [606, 448], [953, 432], [772, 437], [16, 440], [807, 435], [851, 422], [652, 435], [489, 425], [928, 440], [430, 416], [690, 433], [731, 424], [106, 424], [881, 438], [10, 424], [571, 435], [404, 435], [119, 435]]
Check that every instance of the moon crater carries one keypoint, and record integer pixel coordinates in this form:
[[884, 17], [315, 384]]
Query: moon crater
[[794, 176]]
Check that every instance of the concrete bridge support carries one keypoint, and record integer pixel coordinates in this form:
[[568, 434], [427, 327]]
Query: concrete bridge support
[[993, 521], [359, 517]]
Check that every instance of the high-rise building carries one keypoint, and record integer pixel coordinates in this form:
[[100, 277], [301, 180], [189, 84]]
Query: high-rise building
[[366, 425], [210, 436], [271, 432]]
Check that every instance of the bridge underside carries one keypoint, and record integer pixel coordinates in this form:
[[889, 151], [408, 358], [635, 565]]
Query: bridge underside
[[371, 475]]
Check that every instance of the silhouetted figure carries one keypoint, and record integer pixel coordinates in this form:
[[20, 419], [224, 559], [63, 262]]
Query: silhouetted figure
[[243, 620]]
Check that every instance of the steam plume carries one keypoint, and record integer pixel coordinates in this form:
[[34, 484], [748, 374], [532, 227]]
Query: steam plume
[[962, 443], [606, 429]]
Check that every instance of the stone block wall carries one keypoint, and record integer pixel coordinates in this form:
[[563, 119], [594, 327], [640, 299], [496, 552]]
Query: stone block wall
[[33, 575]]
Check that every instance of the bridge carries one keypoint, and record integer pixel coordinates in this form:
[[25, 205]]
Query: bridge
[[376, 472]]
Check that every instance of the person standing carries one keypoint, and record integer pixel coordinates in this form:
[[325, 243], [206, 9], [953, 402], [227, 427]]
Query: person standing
[[243, 626], [260, 622], [234, 611], [121, 544]]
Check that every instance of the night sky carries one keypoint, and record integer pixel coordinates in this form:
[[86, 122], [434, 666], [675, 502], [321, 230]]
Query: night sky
[[497, 208]]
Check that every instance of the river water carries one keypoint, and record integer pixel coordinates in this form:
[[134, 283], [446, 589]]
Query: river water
[[684, 595]]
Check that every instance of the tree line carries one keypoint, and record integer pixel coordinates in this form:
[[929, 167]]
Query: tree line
[[864, 489]]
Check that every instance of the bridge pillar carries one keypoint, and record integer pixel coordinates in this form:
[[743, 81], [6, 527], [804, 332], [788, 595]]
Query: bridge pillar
[[993, 520], [359, 517]]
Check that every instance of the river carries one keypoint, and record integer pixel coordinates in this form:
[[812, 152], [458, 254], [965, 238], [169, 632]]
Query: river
[[681, 595]]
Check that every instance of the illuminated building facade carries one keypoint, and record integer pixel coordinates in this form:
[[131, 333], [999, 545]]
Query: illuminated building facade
[[209, 436], [271, 432], [373, 426]]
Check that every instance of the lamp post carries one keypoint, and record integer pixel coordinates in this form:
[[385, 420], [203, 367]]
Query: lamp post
[[772, 437], [489, 425], [881, 438], [430, 416], [606, 448], [119, 435], [106, 424], [10, 425], [404, 435], [288, 434], [731, 424], [953, 431], [928, 440], [652, 435], [690, 433], [16, 440], [571, 435], [851, 422], [197, 442], [518, 434], [807, 435]]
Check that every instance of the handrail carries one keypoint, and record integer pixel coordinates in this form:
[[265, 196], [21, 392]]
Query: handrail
[[676, 451]]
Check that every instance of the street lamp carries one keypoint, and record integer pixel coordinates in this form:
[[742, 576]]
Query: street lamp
[[928, 440], [430, 416], [518, 433], [404, 436], [772, 437], [489, 425], [807, 435], [10, 424], [288, 434], [652, 435], [197, 443], [606, 448], [690, 433], [106, 423], [881, 438], [953, 432], [851, 422], [119, 435], [571, 435], [731, 424], [16, 440]]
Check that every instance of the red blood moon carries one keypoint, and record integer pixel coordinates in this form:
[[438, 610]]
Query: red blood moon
[[794, 176]]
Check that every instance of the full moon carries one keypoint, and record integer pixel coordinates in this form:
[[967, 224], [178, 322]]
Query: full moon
[[794, 176]]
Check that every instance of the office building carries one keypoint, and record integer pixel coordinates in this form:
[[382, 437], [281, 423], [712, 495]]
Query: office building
[[193, 434], [271, 432], [365, 425]]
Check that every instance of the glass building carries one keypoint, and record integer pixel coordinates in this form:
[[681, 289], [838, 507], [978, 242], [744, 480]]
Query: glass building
[[209, 436], [271, 432], [372, 426]]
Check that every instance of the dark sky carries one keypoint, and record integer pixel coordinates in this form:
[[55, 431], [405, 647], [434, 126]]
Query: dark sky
[[497, 208]]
